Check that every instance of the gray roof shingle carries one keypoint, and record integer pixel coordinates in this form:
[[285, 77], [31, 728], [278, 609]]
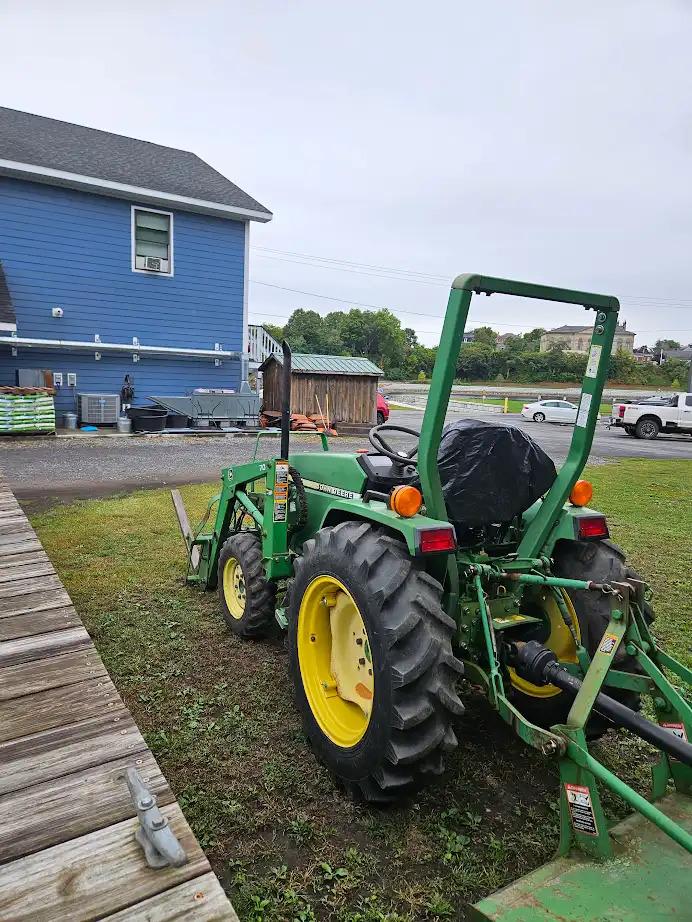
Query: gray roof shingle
[[52, 144], [7, 314]]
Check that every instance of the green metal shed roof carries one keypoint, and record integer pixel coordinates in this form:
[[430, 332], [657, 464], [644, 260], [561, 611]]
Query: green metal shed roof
[[328, 364]]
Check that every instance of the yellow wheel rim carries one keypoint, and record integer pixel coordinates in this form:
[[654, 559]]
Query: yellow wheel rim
[[234, 588], [560, 641], [335, 661]]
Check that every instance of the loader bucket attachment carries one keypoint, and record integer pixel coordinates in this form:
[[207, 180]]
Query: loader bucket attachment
[[185, 528], [649, 878]]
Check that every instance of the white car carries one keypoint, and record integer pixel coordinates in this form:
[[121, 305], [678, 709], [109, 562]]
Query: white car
[[551, 411]]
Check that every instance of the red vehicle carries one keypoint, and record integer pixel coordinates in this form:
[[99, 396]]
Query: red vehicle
[[382, 408]]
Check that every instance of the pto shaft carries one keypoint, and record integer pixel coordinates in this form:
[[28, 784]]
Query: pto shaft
[[539, 665]]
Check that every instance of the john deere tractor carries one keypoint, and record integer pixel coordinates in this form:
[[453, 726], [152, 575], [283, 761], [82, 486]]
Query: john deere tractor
[[400, 571]]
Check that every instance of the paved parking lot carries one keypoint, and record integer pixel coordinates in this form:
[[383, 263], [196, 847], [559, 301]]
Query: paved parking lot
[[48, 470]]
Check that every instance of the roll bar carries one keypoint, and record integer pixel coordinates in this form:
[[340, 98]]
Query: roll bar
[[463, 289]]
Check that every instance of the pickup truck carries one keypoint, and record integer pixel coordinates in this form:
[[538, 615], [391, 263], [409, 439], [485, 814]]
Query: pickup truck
[[644, 419]]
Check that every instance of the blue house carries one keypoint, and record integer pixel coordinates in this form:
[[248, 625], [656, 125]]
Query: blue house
[[119, 257]]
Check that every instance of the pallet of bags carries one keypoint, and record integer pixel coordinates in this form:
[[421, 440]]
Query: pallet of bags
[[26, 412]]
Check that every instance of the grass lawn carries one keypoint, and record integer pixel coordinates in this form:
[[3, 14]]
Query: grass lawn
[[217, 713]]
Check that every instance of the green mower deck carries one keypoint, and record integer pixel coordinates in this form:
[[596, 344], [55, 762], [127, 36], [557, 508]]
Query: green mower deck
[[649, 879]]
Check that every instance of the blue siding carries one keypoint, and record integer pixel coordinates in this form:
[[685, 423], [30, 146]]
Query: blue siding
[[69, 249]]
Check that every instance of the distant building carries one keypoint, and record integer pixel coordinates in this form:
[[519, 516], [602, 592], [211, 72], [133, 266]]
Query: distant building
[[469, 336], [644, 355], [501, 342], [578, 339], [681, 355]]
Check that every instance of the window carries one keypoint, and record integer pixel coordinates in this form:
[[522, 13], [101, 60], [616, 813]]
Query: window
[[152, 241], [688, 401]]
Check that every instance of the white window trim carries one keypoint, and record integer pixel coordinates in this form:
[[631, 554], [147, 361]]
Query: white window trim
[[166, 275]]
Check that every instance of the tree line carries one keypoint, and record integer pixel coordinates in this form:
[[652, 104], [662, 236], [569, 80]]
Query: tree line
[[379, 336]]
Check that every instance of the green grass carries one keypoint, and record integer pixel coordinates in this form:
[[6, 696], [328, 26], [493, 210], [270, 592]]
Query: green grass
[[217, 714]]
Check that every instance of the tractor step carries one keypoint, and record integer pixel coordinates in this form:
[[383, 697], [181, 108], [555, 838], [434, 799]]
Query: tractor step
[[650, 877]]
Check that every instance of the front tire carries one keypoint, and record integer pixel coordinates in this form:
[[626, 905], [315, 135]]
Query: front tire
[[247, 597], [539, 417], [354, 582]]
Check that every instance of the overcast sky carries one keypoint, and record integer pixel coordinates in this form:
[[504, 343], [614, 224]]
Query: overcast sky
[[544, 141]]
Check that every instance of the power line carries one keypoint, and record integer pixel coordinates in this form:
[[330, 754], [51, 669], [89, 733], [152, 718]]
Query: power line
[[423, 278], [398, 310]]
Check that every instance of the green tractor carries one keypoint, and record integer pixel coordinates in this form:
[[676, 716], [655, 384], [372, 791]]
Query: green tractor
[[398, 572]]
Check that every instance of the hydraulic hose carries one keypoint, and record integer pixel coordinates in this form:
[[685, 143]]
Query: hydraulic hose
[[539, 665]]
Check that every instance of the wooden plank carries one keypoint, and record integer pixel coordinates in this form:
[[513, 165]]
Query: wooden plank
[[198, 900], [32, 570], [93, 876], [56, 706], [38, 646], [21, 587], [39, 757], [19, 527], [49, 618], [74, 805], [51, 672], [33, 598], [18, 546]]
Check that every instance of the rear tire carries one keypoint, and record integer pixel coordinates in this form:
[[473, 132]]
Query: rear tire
[[539, 417], [414, 698], [647, 428], [247, 597], [380, 418], [602, 562], [629, 430]]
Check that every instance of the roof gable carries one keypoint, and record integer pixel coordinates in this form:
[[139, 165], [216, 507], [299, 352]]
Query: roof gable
[[307, 363], [63, 154]]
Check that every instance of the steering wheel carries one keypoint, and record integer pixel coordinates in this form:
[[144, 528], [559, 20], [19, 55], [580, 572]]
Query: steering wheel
[[384, 448]]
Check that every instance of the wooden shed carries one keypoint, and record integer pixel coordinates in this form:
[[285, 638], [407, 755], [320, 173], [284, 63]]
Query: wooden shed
[[350, 382]]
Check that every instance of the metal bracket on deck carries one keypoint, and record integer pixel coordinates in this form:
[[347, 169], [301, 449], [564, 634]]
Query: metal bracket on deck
[[161, 848]]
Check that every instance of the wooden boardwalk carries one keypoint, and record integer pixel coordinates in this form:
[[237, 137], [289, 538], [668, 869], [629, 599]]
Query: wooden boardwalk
[[67, 821]]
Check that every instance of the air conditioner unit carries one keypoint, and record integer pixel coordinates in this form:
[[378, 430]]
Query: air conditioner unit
[[152, 263], [99, 409]]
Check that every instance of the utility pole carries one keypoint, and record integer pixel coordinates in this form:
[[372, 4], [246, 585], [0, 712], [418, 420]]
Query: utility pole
[[689, 378]]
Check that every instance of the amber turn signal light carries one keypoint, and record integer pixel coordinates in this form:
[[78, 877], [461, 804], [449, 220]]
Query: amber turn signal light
[[405, 501], [581, 494]]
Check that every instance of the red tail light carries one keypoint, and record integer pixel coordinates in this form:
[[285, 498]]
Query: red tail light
[[592, 526], [431, 540], [621, 410]]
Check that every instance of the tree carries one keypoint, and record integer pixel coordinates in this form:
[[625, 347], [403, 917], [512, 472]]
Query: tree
[[485, 336], [666, 344], [274, 330]]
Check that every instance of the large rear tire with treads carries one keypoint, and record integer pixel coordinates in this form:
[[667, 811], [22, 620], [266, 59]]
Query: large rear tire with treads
[[370, 656], [600, 562]]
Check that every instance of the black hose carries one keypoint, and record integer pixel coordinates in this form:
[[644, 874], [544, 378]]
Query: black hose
[[539, 665], [302, 503]]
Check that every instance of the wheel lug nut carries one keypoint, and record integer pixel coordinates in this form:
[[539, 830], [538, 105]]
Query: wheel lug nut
[[362, 661], [359, 641]]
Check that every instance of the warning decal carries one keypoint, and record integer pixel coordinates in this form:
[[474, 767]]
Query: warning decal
[[677, 730], [594, 359], [580, 809], [584, 407], [281, 491], [608, 644]]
